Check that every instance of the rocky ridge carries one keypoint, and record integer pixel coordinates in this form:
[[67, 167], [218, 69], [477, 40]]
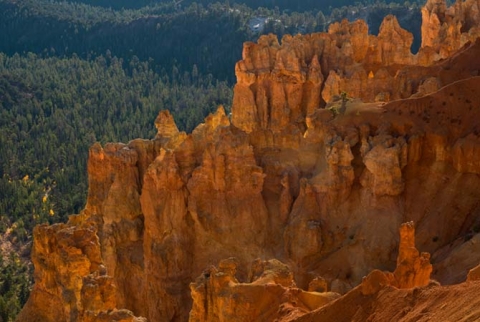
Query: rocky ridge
[[284, 178]]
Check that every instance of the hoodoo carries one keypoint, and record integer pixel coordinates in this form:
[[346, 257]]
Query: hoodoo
[[308, 195]]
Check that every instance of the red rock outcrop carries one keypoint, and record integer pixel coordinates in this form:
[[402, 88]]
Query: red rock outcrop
[[432, 302], [115, 176], [365, 301], [287, 179], [413, 269], [445, 29], [281, 83], [71, 283], [270, 295], [384, 161], [275, 85]]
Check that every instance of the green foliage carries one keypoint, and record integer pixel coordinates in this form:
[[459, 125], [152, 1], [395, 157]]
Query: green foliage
[[23, 197], [52, 110], [209, 35], [290, 5], [15, 283], [335, 110]]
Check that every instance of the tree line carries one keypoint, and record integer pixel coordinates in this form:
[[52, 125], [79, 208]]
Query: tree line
[[208, 35]]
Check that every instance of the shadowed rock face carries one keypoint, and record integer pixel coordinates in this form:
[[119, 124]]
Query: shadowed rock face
[[271, 294], [283, 179], [413, 269]]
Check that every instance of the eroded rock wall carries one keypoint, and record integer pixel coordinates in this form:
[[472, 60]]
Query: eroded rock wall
[[282, 82], [286, 179], [71, 281], [270, 294]]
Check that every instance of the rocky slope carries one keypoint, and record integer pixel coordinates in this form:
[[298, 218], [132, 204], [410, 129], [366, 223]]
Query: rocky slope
[[284, 178]]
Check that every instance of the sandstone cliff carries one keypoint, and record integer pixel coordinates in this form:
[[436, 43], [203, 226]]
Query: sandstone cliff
[[284, 179]]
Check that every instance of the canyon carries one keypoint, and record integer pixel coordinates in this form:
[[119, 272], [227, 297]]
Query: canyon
[[289, 209]]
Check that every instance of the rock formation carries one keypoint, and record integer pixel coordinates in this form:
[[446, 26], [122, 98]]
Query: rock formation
[[271, 294], [474, 274], [444, 30], [70, 279], [407, 294], [387, 303], [413, 269], [280, 83], [285, 179]]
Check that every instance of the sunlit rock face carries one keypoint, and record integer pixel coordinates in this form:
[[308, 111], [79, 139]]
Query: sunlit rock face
[[320, 190], [71, 283], [280, 82], [445, 29]]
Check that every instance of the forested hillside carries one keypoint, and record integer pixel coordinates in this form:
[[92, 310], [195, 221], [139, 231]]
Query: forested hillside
[[53, 109], [210, 36], [291, 5], [72, 74]]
